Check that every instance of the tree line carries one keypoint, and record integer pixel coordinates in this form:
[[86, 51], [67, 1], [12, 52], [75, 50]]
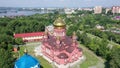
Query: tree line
[[85, 26], [21, 24], [76, 22]]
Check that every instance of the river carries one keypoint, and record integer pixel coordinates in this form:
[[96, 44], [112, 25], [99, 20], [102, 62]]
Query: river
[[25, 13]]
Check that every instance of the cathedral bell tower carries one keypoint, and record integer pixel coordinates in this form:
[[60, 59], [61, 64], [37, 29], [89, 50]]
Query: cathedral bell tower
[[46, 35], [59, 28], [74, 38]]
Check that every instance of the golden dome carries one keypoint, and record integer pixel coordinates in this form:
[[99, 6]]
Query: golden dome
[[59, 23]]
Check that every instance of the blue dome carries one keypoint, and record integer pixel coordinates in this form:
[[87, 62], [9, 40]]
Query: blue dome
[[27, 61]]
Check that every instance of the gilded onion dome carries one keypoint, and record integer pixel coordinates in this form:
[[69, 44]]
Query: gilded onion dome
[[59, 23]]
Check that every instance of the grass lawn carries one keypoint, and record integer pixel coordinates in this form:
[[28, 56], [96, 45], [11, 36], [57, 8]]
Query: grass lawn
[[91, 58], [44, 63]]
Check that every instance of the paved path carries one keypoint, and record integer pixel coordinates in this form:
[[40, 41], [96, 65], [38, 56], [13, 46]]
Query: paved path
[[99, 65]]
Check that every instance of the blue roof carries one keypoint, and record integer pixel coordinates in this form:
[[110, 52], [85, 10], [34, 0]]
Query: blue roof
[[27, 61]]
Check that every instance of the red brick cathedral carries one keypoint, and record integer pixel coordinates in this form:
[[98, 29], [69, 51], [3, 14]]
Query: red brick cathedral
[[59, 47]]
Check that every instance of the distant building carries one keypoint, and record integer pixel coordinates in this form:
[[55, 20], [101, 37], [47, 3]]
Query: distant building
[[69, 11], [98, 9], [116, 9], [116, 18], [30, 37], [79, 9], [99, 27], [2, 16], [107, 9], [87, 9]]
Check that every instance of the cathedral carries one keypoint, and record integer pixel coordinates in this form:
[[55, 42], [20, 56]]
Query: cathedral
[[59, 47]]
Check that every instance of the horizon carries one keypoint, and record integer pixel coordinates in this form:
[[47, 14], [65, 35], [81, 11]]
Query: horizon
[[56, 7]]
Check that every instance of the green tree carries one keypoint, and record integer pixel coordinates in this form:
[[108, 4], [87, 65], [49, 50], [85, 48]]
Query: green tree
[[6, 56], [94, 44], [84, 39], [115, 58], [19, 41], [103, 50]]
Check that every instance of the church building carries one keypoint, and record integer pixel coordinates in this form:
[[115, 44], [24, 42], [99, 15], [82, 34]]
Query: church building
[[59, 47]]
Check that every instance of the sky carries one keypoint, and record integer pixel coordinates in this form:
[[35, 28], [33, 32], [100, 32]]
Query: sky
[[58, 3]]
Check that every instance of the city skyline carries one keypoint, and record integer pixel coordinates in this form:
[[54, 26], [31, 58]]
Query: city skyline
[[59, 3]]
